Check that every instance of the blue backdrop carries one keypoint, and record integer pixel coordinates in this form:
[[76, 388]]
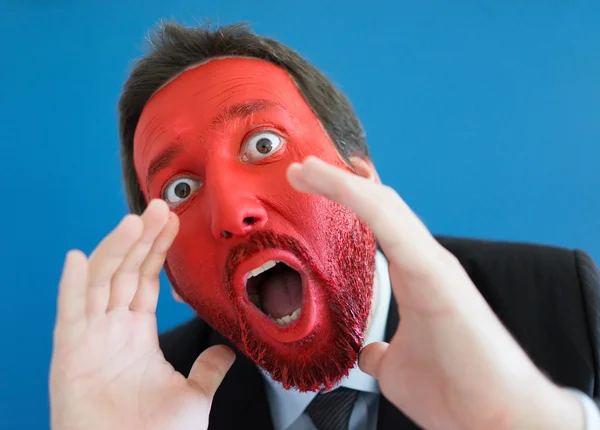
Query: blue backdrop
[[483, 114]]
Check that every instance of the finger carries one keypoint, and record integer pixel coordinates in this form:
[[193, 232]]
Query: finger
[[72, 289], [176, 296], [400, 233], [146, 296], [210, 368], [126, 280], [106, 259], [370, 358]]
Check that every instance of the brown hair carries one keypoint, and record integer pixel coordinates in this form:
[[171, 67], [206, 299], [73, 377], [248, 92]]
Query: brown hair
[[174, 48]]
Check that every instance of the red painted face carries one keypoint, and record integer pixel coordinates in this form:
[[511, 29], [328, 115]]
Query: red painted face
[[286, 276]]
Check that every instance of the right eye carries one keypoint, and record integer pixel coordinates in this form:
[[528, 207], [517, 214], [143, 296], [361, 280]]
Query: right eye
[[179, 190]]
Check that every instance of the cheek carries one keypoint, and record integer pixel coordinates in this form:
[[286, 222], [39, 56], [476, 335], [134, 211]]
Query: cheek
[[318, 223], [196, 268]]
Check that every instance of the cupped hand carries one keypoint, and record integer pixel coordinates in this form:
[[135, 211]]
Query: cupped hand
[[451, 363], [107, 369]]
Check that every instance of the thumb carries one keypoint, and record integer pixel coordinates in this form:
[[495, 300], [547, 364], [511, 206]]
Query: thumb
[[210, 368], [370, 358]]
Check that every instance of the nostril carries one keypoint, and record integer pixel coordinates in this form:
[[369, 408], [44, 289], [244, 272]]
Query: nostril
[[249, 220]]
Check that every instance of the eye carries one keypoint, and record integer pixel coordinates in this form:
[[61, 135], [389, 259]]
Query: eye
[[261, 145], [180, 189]]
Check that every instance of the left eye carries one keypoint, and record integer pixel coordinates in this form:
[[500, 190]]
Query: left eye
[[180, 190], [261, 145]]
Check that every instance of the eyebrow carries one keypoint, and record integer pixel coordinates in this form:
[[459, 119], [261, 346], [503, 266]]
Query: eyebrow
[[230, 113], [162, 160], [241, 111]]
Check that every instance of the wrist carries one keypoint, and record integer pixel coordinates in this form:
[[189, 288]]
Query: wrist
[[550, 407]]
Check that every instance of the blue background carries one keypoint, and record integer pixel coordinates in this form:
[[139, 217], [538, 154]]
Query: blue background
[[483, 114]]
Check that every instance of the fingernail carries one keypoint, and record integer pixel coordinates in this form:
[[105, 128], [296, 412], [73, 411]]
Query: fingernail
[[126, 218], [69, 256], [154, 202]]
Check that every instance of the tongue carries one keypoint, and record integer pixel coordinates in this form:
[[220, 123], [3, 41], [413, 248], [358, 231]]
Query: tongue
[[282, 294]]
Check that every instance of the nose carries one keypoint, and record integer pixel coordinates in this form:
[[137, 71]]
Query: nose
[[235, 213]]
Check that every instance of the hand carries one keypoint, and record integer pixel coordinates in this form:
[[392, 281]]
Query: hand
[[451, 363], [107, 370]]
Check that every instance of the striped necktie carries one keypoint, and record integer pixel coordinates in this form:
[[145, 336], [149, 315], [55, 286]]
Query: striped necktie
[[331, 411]]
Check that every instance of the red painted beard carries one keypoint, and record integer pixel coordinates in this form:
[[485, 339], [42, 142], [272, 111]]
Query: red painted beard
[[335, 303]]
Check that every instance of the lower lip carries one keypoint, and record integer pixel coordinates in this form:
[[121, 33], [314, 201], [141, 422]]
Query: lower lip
[[295, 330]]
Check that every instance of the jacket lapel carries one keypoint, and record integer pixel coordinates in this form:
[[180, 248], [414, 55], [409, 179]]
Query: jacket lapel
[[241, 400], [390, 416]]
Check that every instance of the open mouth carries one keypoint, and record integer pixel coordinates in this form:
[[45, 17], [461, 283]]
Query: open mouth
[[276, 290]]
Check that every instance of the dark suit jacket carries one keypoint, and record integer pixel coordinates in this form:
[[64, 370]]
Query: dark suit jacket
[[548, 298]]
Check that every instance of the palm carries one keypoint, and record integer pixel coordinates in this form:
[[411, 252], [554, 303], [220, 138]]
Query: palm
[[438, 365], [108, 371], [436, 373], [450, 349]]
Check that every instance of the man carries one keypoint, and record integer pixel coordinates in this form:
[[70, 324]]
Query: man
[[250, 169]]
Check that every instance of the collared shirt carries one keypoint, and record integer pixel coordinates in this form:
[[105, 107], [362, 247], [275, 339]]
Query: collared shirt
[[287, 406]]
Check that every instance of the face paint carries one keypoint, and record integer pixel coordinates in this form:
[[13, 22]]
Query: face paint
[[286, 276]]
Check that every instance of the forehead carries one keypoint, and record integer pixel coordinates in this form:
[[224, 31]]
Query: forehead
[[206, 89]]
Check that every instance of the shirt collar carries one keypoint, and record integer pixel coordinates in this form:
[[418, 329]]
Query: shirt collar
[[287, 405]]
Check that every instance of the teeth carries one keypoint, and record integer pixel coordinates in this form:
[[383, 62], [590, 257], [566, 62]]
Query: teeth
[[268, 265], [288, 318]]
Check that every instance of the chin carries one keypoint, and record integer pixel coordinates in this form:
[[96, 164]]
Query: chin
[[302, 323]]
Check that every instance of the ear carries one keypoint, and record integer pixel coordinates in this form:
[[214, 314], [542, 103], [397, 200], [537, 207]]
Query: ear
[[364, 167]]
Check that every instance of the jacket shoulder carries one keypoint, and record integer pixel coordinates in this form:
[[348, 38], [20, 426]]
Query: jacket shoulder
[[547, 297], [485, 249], [509, 273], [529, 266]]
